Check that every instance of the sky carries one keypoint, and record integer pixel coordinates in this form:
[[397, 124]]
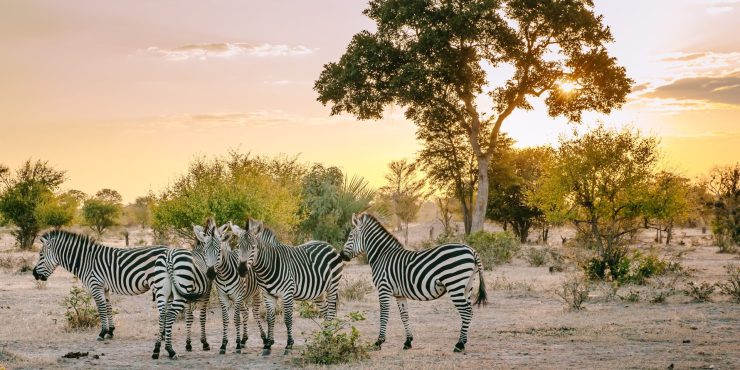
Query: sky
[[124, 95]]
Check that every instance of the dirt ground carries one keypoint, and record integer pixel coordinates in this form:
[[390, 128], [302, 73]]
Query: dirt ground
[[524, 325]]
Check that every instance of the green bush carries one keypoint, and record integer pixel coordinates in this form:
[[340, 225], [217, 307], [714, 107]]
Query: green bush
[[494, 248], [537, 256], [81, 312], [732, 286], [334, 345], [307, 310], [699, 292], [634, 269]]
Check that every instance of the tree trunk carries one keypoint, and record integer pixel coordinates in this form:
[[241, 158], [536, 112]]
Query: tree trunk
[[481, 202], [406, 236]]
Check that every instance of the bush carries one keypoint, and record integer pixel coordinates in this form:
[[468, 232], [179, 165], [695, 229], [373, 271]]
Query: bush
[[333, 345], [494, 248], [81, 312], [634, 269], [574, 291], [307, 310], [443, 238], [732, 286], [537, 256], [701, 292], [354, 289]]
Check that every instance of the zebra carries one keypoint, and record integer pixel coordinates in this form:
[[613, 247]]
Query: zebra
[[304, 272], [419, 275], [237, 290], [184, 276], [101, 269]]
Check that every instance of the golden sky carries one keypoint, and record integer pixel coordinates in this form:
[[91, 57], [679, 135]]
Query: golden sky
[[124, 94]]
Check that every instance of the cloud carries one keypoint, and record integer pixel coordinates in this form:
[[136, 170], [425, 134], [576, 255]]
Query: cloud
[[722, 90], [228, 50]]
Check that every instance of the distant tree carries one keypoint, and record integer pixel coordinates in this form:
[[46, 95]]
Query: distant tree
[[433, 58], [101, 211], [445, 213], [328, 200], [402, 193], [140, 211], [512, 178], [230, 188], [599, 182], [723, 185], [668, 203], [22, 194], [57, 210]]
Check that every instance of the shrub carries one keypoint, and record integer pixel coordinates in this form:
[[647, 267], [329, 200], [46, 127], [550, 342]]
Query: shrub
[[701, 292], [333, 344], [574, 291], [732, 286], [440, 239], [633, 296], [633, 269], [537, 256], [354, 289], [307, 310], [81, 313], [494, 248]]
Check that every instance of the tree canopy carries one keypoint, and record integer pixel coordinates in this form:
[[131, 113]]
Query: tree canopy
[[434, 57]]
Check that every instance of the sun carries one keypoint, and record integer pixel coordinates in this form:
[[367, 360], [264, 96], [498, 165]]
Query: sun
[[568, 86]]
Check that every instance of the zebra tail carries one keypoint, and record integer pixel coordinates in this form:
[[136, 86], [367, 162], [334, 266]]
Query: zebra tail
[[187, 295], [482, 295]]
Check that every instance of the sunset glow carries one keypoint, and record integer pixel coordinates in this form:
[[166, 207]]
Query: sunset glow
[[126, 96]]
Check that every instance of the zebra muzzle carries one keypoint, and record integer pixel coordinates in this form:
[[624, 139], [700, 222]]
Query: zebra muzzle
[[345, 257], [211, 273]]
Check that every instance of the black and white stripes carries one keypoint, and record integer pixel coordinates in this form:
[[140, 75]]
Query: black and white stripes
[[419, 275]]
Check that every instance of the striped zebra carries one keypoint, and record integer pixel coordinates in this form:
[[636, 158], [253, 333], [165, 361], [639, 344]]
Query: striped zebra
[[101, 269], [182, 277], [305, 272], [236, 291], [419, 275]]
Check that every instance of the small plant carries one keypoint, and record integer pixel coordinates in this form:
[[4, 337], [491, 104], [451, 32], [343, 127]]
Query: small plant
[[630, 269], [333, 344], [732, 286], [537, 256], [633, 296], [494, 248], [701, 292], [574, 292], [307, 310], [81, 313], [354, 289]]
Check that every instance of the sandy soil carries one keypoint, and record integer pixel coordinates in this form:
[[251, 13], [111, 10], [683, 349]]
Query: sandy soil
[[524, 325]]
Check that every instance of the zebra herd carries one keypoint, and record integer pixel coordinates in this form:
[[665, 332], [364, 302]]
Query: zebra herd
[[262, 270]]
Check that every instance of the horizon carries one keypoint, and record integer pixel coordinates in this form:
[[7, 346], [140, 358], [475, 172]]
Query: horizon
[[125, 97]]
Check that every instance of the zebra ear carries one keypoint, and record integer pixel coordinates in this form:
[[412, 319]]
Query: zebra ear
[[254, 226], [236, 230], [355, 219], [222, 230], [199, 234]]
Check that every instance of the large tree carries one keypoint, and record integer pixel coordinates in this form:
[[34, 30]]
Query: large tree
[[22, 194], [101, 211], [402, 194], [434, 59]]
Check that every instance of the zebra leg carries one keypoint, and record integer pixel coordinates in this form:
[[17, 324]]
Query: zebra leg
[[238, 305], [270, 304], [288, 314], [332, 301], [162, 307], [384, 296], [323, 305], [245, 317], [225, 320], [188, 325], [466, 313], [256, 299], [98, 294], [203, 313], [177, 305], [405, 318], [109, 312]]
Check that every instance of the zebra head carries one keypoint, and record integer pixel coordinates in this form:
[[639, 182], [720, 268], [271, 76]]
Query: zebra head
[[48, 260], [209, 243], [249, 243], [355, 243]]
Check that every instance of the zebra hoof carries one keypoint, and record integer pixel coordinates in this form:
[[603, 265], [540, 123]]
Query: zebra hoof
[[100, 339], [407, 345], [244, 341], [155, 356], [239, 350], [221, 351], [459, 347], [172, 354], [266, 352], [188, 347], [286, 352], [206, 347]]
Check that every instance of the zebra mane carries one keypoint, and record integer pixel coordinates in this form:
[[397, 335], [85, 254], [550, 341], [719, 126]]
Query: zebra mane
[[375, 220], [268, 234], [51, 234]]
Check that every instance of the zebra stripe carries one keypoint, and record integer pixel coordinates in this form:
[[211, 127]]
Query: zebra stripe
[[419, 275], [304, 272], [101, 269]]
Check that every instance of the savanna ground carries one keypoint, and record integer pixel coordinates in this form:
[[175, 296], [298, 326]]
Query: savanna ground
[[524, 325]]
